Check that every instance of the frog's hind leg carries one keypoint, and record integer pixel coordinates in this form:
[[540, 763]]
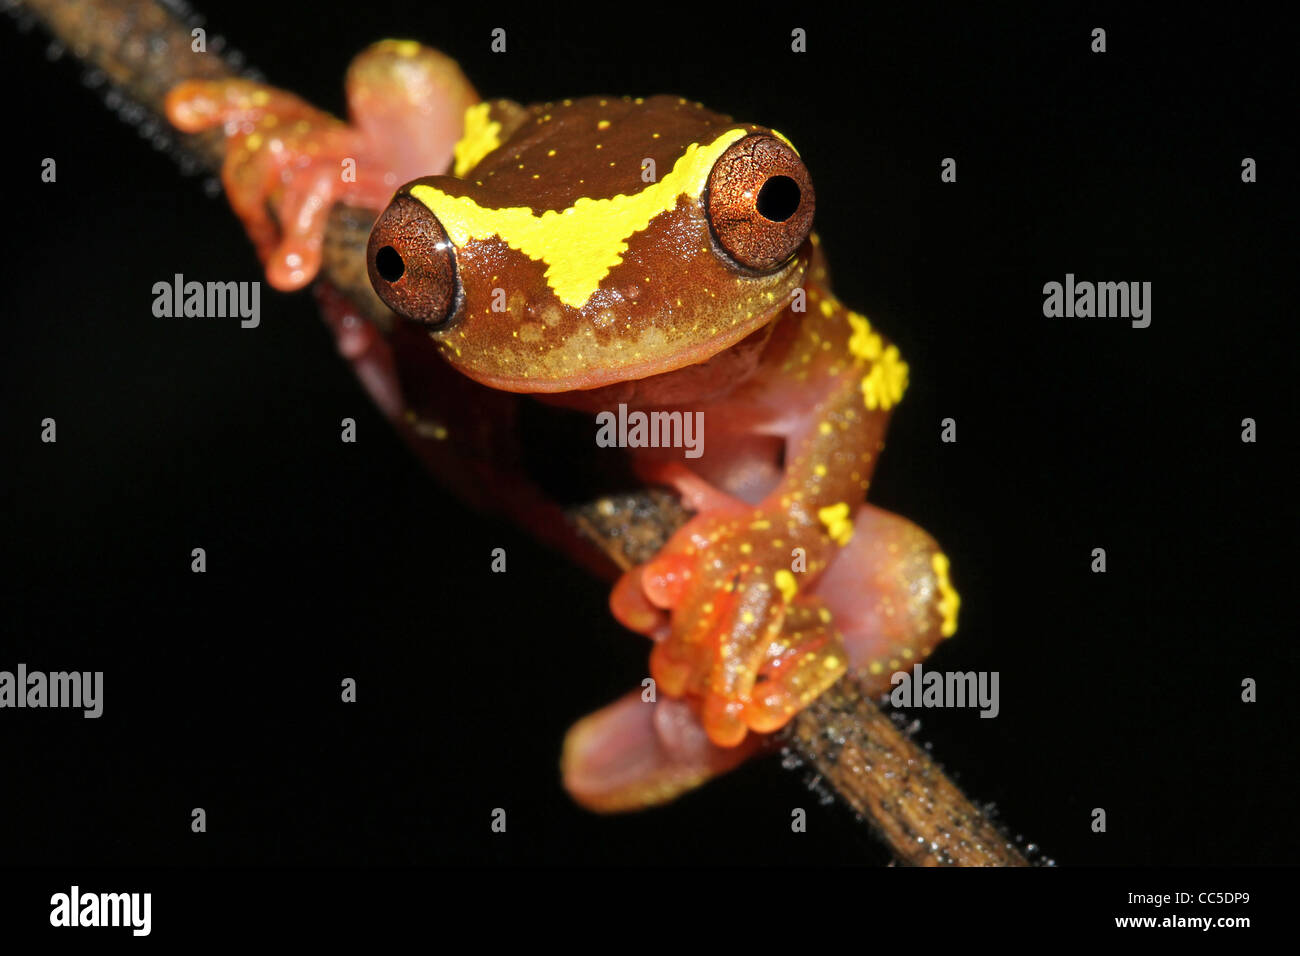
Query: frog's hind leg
[[889, 594]]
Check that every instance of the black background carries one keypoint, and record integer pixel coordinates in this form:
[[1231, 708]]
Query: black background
[[328, 560]]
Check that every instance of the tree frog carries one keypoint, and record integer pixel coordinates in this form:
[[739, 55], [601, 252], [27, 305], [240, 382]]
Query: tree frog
[[639, 254]]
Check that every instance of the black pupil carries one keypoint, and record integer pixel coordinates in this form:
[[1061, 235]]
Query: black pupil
[[778, 199], [389, 264]]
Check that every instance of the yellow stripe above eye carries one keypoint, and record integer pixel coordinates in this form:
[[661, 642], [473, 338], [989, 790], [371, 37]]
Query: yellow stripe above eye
[[581, 244]]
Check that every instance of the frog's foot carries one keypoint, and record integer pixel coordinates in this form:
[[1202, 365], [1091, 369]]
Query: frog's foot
[[883, 602], [287, 162], [638, 753], [740, 642]]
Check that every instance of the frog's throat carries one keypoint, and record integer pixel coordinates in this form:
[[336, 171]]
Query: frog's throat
[[580, 244]]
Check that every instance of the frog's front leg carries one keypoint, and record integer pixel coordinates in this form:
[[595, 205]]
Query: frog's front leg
[[769, 595], [287, 162], [748, 638]]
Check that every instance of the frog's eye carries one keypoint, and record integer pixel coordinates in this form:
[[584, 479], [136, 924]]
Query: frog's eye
[[412, 263], [760, 202]]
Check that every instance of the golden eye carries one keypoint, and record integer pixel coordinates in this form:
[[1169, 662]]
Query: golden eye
[[412, 263], [760, 202]]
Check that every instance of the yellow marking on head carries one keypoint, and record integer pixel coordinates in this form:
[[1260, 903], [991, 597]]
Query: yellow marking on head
[[950, 600], [884, 385], [838, 524], [781, 137], [481, 136], [875, 667], [785, 583], [581, 244]]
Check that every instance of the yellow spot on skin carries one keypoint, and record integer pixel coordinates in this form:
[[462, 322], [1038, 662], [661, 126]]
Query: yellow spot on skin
[[482, 135], [875, 667], [824, 615], [747, 617], [761, 524], [949, 600], [819, 471], [746, 547], [581, 244], [824, 428], [785, 583], [253, 141], [260, 97], [837, 522], [864, 343], [550, 152], [884, 385], [406, 48], [603, 124]]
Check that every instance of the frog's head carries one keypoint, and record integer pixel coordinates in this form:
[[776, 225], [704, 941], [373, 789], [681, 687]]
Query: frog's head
[[600, 240]]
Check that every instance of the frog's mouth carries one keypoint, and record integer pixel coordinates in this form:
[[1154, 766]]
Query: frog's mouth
[[580, 353]]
